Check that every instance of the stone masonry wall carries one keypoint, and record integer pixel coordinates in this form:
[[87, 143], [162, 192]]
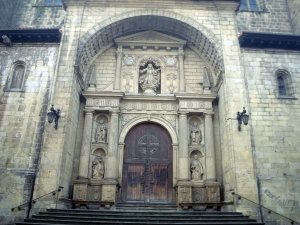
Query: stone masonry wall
[[294, 7], [275, 19], [275, 128], [31, 14], [105, 69], [7, 10], [22, 123], [193, 70]]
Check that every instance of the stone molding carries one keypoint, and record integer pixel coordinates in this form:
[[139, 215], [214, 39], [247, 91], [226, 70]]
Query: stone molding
[[149, 118]]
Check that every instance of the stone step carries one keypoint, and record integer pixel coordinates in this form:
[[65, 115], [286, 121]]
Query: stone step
[[57, 216], [149, 206], [148, 215], [140, 219], [40, 221], [143, 212]]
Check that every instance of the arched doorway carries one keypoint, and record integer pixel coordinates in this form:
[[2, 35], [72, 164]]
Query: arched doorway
[[147, 165]]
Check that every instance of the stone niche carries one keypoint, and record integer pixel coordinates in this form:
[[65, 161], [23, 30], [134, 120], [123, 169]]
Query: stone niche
[[152, 63]]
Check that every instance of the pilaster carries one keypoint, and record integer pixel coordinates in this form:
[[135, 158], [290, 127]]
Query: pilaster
[[181, 70], [86, 145], [183, 147], [210, 149], [117, 83]]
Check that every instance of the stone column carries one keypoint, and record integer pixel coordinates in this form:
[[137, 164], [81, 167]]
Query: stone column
[[183, 153], [181, 69], [210, 148], [86, 145], [117, 83], [111, 172]]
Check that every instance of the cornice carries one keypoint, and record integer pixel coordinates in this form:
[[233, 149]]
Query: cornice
[[226, 5], [269, 41]]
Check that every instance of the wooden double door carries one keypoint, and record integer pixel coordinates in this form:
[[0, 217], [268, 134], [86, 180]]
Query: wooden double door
[[147, 165]]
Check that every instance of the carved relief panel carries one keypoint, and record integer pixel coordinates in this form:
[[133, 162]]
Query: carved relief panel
[[94, 193], [184, 194], [108, 193], [80, 192]]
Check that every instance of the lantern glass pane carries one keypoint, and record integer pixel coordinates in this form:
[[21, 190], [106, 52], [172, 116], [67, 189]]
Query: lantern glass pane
[[245, 119], [51, 116]]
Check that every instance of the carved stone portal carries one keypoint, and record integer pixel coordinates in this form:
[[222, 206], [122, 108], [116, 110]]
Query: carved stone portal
[[149, 78]]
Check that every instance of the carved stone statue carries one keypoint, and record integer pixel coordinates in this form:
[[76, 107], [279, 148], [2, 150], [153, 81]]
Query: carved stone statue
[[196, 136], [196, 168], [101, 133], [6, 40], [98, 167], [149, 79]]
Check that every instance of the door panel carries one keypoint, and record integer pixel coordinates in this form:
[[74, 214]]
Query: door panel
[[159, 183], [135, 182], [147, 165]]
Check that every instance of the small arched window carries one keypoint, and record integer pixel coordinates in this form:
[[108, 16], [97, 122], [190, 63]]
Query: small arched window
[[281, 86], [16, 77], [284, 84]]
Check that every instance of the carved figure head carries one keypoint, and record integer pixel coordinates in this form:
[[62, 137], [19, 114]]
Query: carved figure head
[[195, 124], [195, 156], [101, 121], [150, 65]]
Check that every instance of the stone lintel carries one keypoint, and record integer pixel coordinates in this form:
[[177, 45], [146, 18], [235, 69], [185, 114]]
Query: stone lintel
[[189, 96], [102, 94]]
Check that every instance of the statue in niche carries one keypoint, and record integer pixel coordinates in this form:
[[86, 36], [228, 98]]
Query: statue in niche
[[101, 133], [196, 168], [149, 79], [98, 167], [196, 136]]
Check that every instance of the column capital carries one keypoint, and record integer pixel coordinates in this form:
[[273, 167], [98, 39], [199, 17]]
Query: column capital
[[210, 114], [180, 55], [114, 112], [183, 113], [119, 52], [89, 111]]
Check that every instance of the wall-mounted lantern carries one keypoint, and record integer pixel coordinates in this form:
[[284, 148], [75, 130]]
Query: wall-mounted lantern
[[53, 115], [242, 116]]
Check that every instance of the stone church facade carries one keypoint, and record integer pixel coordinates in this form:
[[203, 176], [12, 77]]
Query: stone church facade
[[148, 94]]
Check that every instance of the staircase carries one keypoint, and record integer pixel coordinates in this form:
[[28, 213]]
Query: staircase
[[59, 216]]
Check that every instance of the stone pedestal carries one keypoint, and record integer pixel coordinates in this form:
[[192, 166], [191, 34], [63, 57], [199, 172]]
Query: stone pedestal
[[80, 191], [94, 191], [212, 191], [109, 190], [198, 192], [184, 191]]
